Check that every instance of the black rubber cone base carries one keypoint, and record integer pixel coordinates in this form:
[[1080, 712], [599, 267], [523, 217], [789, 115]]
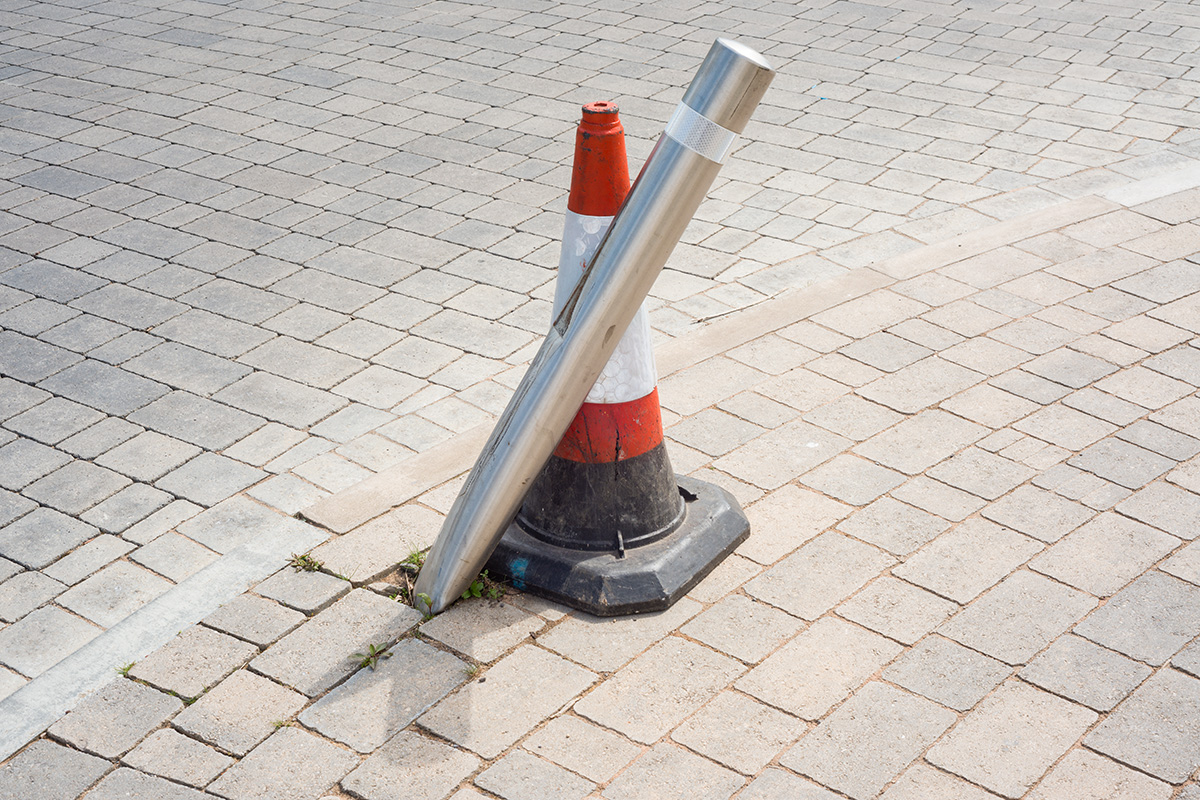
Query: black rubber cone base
[[648, 578]]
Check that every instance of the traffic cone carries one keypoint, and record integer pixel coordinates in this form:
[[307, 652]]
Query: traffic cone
[[607, 526]]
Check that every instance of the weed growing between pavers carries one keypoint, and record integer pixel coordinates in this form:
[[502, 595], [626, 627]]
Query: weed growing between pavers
[[305, 563], [407, 571], [373, 655]]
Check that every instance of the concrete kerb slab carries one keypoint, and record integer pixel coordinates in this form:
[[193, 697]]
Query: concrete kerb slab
[[26, 713], [393, 487]]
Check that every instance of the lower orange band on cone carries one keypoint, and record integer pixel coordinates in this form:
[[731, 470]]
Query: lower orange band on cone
[[602, 433]]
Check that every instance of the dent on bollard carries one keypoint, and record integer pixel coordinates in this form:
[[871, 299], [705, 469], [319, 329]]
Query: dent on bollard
[[673, 182]]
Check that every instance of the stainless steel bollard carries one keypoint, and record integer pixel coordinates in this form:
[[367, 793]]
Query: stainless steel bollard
[[673, 182]]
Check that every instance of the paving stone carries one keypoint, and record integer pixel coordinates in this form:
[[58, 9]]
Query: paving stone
[[1105, 554], [1079, 670], [1188, 660], [659, 689], [920, 385], [186, 368], [1144, 387], [605, 643], [317, 655], [1149, 620], [966, 560], [1185, 564], [280, 400], [775, 784], [115, 718], [174, 557], [113, 593], [209, 478], [308, 592], [670, 773], [853, 480], [194, 661], [233, 522], [804, 389], [128, 506], [254, 619], [863, 745], [520, 776], [1019, 617], [161, 521], [742, 628], [851, 416], [1065, 427], [896, 527], [456, 717], [125, 782], [482, 629], [54, 420], [1169, 705], [239, 712], [370, 551], [1167, 507], [407, 683], [1083, 772], [148, 456], [738, 732], [1037, 513], [923, 782], [410, 765], [292, 763], [13, 506], [49, 771], [921, 441], [593, 752], [197, 420], [172, 755], [109, 389], [1011, 739], [23, 593], [43, 638], [982, 473], [24, 461], [85, 560], [817, 669], [75, 487], [778, 456], [947, 672], [897, 609], [804, 585], [785, 519]]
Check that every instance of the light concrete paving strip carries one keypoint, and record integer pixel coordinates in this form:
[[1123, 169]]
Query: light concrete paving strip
[[41, 702], [1153, 188]]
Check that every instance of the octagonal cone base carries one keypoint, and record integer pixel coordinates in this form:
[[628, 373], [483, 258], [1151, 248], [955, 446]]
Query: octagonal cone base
[[648, 578]]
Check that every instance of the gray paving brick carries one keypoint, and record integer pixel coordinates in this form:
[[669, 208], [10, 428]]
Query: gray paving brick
[[981, 473], [41, 536], [254, 619], [42, 639], [125, 782], [280, 400], [863, 745], [24, 592], [591, 751], [1038, 513], [742, 628], [231, 523], [128, 306], [666, 772], [897, 609], [374, 549], [894, 526], [520, 776], [411, 765], [54, 420], [209, 478], [605, 643], [775, 784], [76, 487], [482, 630], [1162, 440], [292, 763], [239, 712], [23, 461], [127, 507], [50, 771], [177, 757], [407, 683], [947, 672], [100, 438], [923, 782], [1018, 617], [1122, 463], [560, 681], [1079, 670], [738, 732], [668, 682], [803, 584], [83, 561], [921, 441], [1065, 427], [1149, 620], [1105, 554], [148, 456], [1084, 771], [318, 654], [186, 368], [963, 562], [113, 593], [109, 389], [308, 592], [173, 556], [114, 719], [1168, 703], [212, 333], [818, 668], [1037, 728], [197, 420]]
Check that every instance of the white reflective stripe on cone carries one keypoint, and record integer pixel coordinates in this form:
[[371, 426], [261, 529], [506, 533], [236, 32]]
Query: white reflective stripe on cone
[[630, 373]]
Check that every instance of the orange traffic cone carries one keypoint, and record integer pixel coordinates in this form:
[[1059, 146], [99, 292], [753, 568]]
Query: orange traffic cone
[[607, 526]]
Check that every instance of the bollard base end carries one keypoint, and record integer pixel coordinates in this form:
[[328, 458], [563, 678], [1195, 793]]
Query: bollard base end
[[647, 578]]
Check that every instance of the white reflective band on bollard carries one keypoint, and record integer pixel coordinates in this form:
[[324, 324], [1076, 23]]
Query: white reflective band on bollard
[[700, 134]]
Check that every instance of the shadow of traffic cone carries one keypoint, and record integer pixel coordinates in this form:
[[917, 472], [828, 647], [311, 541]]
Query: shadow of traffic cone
[[607, 526]]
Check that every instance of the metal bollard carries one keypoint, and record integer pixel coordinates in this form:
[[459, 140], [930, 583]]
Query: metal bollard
[[673, 182]]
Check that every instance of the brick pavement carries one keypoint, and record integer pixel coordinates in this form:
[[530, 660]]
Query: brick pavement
[[250, 258]]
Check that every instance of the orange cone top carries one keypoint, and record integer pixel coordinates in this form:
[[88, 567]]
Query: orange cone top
[[600, 179]]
